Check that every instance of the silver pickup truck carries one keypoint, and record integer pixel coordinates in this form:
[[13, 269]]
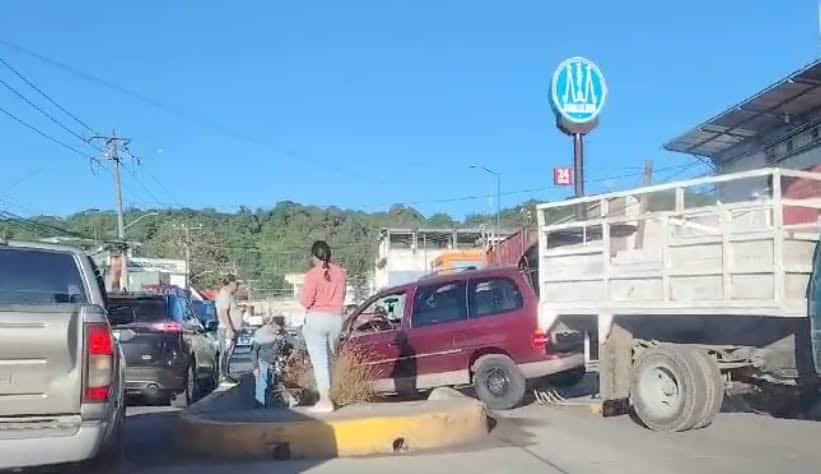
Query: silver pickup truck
[[61, 370]]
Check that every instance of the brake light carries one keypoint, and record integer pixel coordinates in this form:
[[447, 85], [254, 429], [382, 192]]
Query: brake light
[[167, 327], [540, 340], [99, 363]]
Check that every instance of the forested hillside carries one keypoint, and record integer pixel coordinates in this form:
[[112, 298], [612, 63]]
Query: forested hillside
[[260, 245]]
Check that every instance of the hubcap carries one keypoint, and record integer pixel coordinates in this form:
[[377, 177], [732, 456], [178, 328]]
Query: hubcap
[[661, 392], [497, 382]]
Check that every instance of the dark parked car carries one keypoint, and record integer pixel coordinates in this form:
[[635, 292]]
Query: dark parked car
[[474, 327], [169, 353]]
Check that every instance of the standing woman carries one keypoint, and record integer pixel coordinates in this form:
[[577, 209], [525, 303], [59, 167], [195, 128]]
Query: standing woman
[[323, 296]]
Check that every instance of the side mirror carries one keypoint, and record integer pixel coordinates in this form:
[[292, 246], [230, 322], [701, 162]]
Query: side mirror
[[211, 325]]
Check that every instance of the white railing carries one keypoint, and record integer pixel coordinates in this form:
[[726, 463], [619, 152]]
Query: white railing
[[730, 249]]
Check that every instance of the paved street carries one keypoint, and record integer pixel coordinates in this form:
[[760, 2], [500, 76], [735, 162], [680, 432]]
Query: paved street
[[531, 439]]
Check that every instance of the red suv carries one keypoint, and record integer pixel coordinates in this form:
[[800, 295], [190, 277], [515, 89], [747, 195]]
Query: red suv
[[475, 327]]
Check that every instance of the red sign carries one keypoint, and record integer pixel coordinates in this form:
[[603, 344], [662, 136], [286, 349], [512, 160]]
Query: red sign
[[563, 176]]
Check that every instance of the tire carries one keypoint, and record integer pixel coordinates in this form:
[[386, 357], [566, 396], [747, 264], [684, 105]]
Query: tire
[[715, 389], [568, 378], [188, 395], [498, 382], [193, 386], [668, 390]]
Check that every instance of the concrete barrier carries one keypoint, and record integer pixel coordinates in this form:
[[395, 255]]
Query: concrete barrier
[[223, 425]]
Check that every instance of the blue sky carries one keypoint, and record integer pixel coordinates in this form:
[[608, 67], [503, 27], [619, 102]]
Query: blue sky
[[364, 104]]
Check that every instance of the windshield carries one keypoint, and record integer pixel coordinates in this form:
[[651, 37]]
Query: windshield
[[126, 311]]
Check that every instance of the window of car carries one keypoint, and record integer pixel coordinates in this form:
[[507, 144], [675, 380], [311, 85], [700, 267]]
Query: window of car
[[384, 313], [137, 310], [40, 277], [439, 304], [494, 296]]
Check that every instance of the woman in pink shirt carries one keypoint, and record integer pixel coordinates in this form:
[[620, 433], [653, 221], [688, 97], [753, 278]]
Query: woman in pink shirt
[[323, 296]]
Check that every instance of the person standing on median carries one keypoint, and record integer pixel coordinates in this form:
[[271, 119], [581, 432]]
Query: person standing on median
[[229, 317], [323, 296]]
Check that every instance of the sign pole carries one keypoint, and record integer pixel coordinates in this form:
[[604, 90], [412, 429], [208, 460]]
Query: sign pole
[[577, 92], [578, 163]]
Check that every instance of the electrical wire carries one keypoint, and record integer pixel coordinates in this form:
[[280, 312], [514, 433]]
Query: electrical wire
[[180, 113], [46, 96], [44, 134], [150, 193], [7, 216], [531, 190], [45, 113]]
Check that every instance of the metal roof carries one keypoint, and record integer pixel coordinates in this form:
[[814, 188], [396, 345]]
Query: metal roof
[[787, 101]]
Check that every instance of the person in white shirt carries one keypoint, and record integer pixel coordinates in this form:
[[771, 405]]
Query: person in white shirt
[[229, 319]]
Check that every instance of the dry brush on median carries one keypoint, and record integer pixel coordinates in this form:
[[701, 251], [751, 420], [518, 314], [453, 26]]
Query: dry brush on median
[[350, 379]]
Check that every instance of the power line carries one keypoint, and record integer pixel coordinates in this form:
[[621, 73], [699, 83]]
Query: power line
[[175, 111], [58, 122], [33, 224], [44, 134], [472, 197], [41, 110], [46, 96], [144, 187]]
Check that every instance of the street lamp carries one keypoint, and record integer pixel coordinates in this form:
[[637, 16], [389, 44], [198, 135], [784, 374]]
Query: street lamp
[[150, 214], [498, 194]]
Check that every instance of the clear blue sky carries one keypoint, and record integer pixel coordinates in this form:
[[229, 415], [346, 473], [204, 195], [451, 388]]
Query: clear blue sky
[[363, 104]]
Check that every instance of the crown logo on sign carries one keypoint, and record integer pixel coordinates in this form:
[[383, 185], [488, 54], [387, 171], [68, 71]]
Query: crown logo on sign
[[579, 91]]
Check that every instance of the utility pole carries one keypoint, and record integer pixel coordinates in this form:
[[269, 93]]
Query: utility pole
[[113, 143], [186, 229], [648, 180]]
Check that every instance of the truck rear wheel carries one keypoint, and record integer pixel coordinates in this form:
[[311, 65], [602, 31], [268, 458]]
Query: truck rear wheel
[[669, 390], [715, 388]]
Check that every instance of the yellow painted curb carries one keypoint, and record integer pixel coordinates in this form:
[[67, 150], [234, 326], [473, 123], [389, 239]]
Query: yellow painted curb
[[415, 426]]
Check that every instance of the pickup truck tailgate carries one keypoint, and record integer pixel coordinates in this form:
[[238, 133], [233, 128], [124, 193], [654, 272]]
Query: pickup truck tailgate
[[41, 366]]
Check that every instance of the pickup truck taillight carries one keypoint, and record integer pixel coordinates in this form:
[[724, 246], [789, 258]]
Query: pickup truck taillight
[[99, 363]]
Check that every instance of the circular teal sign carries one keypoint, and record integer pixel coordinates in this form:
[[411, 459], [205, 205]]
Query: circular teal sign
[[578, 90]]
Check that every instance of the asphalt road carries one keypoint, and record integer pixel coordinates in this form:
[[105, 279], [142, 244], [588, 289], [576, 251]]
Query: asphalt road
[[530, 439], [547, 440]]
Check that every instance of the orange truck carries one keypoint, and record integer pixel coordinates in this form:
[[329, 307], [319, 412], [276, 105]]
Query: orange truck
[[459, 261]]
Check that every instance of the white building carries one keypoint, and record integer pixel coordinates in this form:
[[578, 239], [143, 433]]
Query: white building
[[404, 255]]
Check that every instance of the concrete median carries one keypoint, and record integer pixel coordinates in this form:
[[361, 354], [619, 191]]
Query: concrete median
[[223, 425]]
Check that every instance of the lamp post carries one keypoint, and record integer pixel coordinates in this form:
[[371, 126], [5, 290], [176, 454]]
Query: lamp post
[[498, 194]]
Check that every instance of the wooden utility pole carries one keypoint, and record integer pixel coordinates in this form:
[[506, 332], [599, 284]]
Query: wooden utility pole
[[648, 180], [113, 143]]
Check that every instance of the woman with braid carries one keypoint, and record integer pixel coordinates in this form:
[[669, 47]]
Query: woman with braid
[[323, 297]]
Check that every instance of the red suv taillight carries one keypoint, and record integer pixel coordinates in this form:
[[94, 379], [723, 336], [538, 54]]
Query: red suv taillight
[[540, 341], [99, 363]]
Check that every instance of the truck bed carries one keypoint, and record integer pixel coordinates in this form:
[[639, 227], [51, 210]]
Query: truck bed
[[736, 244]]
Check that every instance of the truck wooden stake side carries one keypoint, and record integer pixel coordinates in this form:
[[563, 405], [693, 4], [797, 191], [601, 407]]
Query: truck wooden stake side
[[688, 290]]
